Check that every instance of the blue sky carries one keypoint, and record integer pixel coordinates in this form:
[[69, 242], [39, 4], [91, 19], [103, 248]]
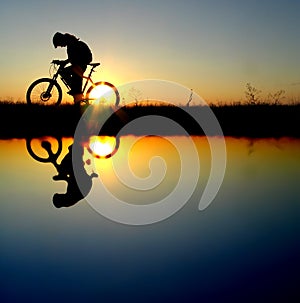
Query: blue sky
[[214, 47]]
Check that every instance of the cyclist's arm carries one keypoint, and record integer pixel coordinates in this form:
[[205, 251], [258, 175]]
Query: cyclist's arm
[[65, 62], [61, 62]]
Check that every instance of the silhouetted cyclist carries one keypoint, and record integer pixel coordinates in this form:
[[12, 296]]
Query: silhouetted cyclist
[[79, 55]]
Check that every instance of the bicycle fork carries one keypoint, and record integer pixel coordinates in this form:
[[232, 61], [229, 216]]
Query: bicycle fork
[[47, 93]]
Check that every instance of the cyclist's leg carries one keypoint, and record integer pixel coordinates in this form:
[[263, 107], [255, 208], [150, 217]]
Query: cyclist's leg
[[77, 77], [76, 84]]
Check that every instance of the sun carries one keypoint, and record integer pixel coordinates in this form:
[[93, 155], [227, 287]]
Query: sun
[[102, 146], [103, 94]]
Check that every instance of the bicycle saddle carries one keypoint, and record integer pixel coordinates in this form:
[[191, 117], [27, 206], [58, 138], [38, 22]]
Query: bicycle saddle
[[94, 64]]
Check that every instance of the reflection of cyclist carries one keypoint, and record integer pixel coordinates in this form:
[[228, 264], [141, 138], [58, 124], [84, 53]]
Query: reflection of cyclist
[[65, 172], [79, 55]]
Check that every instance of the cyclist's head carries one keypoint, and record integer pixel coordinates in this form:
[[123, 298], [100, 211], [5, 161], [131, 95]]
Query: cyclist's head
[[58, 200], [59, 39]]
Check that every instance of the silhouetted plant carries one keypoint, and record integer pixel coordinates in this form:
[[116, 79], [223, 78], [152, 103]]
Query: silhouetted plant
[[252, 94], [190, 98], [276, 97], [135, 94]]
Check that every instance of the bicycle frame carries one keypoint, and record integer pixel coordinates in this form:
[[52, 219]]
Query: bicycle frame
[[87, 78]]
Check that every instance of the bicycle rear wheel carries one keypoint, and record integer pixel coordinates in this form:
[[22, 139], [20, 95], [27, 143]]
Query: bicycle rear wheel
[[103, 92], [44, 91]]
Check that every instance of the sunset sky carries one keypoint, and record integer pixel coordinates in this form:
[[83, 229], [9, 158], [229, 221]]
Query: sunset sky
[[212, 46]]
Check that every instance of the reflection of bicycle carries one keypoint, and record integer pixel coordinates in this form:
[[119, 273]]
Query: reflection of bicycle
[[92, 146], [48, 91], [46, 145], [65, 171]]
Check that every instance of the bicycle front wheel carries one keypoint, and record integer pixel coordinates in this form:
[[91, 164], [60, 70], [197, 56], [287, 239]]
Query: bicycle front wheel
[[44, 91], [38, 148], [103, 92]]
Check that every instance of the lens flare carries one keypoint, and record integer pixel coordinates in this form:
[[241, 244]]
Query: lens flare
[[157, 123]]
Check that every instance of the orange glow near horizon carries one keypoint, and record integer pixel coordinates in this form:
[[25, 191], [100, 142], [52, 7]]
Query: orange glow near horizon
[[102, 146], [103, 94]]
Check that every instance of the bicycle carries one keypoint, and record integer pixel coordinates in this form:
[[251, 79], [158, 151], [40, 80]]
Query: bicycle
[[45, 143], [48, 91], [65, 171]]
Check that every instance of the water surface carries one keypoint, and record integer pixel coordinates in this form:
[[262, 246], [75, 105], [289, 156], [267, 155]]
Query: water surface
[[243, 247]]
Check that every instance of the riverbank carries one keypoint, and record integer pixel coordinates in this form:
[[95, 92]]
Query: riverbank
[[18, 120]]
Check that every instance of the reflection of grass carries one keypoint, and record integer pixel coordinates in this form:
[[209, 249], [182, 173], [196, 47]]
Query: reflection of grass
[[18, 120], [260, 120]]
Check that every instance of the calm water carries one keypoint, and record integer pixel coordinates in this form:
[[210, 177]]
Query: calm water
[[243, 247]]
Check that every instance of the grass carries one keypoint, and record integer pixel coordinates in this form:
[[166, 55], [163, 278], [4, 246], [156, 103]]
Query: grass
[[18, 120]]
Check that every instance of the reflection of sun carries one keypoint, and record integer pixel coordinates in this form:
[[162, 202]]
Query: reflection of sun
[[102, 94], [102, 146]]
